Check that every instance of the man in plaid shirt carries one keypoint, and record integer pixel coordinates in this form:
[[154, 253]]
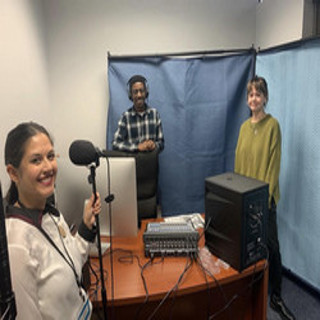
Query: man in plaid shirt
[[139, 128]]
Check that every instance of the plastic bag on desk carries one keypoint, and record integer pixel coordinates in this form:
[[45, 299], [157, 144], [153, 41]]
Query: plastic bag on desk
[[210, 263]]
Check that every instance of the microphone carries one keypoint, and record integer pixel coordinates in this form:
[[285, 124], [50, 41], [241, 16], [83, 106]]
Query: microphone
[[83, 153]]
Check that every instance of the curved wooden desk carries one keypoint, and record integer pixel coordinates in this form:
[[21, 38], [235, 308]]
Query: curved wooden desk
[[197, 297]]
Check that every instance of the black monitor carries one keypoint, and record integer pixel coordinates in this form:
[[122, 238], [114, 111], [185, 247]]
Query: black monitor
[[236, 208]]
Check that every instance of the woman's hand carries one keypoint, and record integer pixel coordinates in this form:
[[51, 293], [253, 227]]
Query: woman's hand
[[91, 210]]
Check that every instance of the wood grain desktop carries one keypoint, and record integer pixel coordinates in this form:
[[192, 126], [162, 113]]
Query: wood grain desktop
[[207, 290]]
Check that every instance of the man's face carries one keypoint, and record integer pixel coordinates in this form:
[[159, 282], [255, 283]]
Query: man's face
[[138, 93]]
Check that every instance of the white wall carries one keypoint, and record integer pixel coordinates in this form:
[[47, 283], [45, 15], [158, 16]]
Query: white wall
[[80, 33], [23, 77], [53, 57], [278, 22]]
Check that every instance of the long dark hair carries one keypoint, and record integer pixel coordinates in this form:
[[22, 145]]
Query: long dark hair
[[15, 149]]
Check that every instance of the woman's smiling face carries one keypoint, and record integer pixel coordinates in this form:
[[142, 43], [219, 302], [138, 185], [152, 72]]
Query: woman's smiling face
[[35, 177], [256, 100]]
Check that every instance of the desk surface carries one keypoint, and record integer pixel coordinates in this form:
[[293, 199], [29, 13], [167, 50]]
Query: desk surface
[[162, 275]]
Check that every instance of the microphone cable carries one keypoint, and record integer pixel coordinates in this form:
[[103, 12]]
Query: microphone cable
[[109, 199], [175, 287], [234, 297], [129, 257], [5, 313], [253, 281], [207, 271]]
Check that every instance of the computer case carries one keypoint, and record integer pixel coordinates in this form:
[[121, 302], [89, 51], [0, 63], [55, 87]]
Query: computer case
[[236, 209]]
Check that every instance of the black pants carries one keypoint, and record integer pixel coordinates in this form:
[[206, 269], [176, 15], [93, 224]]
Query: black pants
[[275, 265]]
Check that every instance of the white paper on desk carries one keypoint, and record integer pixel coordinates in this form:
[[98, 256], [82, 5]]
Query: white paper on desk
[[194, 218]]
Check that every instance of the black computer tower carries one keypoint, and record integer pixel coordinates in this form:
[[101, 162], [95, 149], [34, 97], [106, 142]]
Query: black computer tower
[[236, 209]]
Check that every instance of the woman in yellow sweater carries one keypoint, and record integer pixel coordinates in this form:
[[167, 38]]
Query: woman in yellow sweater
[[258, 156]]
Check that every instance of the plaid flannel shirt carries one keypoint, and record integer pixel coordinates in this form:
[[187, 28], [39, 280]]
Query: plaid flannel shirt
[[135, 127]]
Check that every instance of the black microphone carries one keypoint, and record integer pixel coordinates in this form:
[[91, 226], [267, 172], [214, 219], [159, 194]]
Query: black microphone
[[83, 153]]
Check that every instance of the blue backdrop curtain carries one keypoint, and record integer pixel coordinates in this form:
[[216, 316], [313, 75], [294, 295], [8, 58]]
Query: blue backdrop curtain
[[293, 75], [202, 103]]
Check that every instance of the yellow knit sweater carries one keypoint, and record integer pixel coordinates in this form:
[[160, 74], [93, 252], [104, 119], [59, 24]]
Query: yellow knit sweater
[[258, 153]]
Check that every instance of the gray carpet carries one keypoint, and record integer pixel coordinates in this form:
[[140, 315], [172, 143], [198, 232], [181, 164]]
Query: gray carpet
[[303, 304]]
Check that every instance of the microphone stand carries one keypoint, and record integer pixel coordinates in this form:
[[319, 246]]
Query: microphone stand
[[8, 309], [92, 180]]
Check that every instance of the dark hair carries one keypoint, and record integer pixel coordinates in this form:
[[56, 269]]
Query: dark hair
[[136, 78], [260, 84], [15, 148]]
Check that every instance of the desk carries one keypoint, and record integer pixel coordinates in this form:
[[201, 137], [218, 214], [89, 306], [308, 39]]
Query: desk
[[195, 297]]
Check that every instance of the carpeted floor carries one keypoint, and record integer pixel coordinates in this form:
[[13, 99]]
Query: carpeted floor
[[303, 304]]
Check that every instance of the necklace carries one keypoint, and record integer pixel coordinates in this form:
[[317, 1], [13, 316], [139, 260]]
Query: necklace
[[61, 230]]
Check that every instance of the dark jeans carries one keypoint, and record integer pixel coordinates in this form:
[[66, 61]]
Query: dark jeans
[[275, 265]]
